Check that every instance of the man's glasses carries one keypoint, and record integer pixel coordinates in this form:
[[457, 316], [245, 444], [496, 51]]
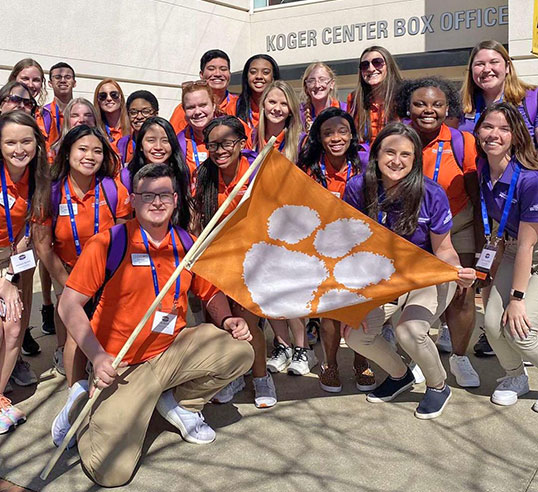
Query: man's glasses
[[225, 144], [377, 63], [59, 77], [146, 112], [18, 100], [149, 197], [102, 96]]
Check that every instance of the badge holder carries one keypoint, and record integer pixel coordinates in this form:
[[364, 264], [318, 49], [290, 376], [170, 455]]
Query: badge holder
[[165, 321], [485, 263]]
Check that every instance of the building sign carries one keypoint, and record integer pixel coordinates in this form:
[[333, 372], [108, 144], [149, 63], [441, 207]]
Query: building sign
[[535, 29], [457, 20]]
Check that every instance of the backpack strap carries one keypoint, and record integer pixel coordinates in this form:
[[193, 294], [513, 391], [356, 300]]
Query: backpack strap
[[122, 148], [182, 140], [251, 156], [47, 118], [343, 105], [55, 198], [125, 178], [110, 190], [530, 105], [185, 238], [458, 146]]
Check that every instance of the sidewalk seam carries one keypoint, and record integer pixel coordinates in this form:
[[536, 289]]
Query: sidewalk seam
[[531, 480]]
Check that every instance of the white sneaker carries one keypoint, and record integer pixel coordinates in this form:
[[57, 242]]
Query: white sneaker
[[227, 393], [443, 342], [191, 425], [280, 358], [388, 334], [417, 372], [264, 392], [61, 425], [463, 371], [58, 360], [302, 361], [510, 388]]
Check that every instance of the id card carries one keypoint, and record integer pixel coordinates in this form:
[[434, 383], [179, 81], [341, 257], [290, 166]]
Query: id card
[[164, 323], [202, 156], [485, 262], [64, 209], [23, 261], [10, 199], [140, 259]]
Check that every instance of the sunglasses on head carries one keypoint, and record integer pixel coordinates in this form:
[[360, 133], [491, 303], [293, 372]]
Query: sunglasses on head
[[377, 63], [194, 83], [102, 96], [27, 103]]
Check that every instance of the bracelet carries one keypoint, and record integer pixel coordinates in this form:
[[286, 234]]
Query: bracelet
[[223, 320]]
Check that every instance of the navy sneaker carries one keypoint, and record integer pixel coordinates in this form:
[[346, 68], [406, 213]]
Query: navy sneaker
[[391, 388], [433, 403]]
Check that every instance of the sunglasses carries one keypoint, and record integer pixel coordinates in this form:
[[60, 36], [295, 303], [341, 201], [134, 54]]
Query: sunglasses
[[27, 103], [102, 96], [194, 83], [377, 63]]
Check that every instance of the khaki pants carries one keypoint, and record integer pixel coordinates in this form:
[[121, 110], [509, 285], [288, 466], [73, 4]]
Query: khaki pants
[[511, 351], [200, 362], [420, 309]]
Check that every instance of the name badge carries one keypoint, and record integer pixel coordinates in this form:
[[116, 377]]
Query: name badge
[[164, 323], [23, 261], [10, 199], [64, 209], [202, 156], [140, 259], [485, 262], [336, 194]]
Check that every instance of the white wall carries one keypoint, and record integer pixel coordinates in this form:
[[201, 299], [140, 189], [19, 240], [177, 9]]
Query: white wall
[[520, 39]]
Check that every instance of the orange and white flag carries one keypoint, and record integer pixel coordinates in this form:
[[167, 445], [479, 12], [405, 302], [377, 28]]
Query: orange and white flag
[[292, 249]]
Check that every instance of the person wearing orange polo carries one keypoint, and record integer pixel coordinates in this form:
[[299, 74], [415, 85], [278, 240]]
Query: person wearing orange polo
[[109, 101], [215, 69], [170, 367], [449, 158], [84, 199]]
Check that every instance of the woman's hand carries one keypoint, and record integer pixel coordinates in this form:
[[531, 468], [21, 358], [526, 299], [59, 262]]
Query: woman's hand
[[466, 277], [12, 300], [515, 319]]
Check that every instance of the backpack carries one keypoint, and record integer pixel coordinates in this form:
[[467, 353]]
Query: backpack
[[109, 188], [122, 148], [47, 118], [530, 105], [117, 248], [458, 146]]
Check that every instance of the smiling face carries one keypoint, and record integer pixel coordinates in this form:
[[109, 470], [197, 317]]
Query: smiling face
[[62, 82], [156, 146], [335, 135], [31, 77], [199, 109], [428, 109], [495, 135], [19, 98], [86, 156], [373, 68], [139, 111], [260, 75], [109, 98], [18, 146], [489, 70], [276, 106], [156, 213], [395, 159], [228, 158], [81, 114], [217, 74], [319, 84]]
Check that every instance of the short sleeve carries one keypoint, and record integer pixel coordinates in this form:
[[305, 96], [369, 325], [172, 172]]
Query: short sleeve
[[528, 197], [438, 209], [353, 192], [123, 208], [88, 274], [469, 159]]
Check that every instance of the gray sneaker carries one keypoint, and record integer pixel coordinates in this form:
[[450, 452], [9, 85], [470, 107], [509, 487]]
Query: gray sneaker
[[264, 392], [22, 373], [58, 360]]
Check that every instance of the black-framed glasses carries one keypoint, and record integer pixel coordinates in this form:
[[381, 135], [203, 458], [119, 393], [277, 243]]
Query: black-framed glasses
[[377, 63], [149, 197], [225, 144], [59, 77], [146, 112], [102, 96], [18, 100]]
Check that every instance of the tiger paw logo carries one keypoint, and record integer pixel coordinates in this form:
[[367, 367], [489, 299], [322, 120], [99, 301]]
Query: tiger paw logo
[[305, 266]]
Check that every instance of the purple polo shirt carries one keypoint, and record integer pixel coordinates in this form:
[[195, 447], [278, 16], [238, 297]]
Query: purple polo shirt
[[434, 215], [525, 202]]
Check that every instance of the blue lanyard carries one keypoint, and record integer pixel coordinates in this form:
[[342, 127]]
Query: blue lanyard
[[227, 97], [282, 145], [107, 128], [153, 269], [133, 145], [58, 126], [324, 171], [438, 160], [507, 203], [194, 149], [72, 214], [5, 198]]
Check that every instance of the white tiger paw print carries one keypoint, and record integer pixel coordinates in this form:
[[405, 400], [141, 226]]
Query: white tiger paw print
[[290, 282]]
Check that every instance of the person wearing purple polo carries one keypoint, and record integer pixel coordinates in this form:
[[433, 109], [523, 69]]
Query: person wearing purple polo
[[394, 191], [509, 196]]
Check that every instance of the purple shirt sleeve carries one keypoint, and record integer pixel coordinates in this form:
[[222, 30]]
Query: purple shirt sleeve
[[438, 208], [528, 196], [353, 192]]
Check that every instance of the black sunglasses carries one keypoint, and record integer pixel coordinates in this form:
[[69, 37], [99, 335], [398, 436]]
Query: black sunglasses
[[102, 96], [377, 63], [27, 103]]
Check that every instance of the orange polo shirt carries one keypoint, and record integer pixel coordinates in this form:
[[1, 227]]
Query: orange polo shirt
[[377, 116], [450, 173], [54, 134], [64, 243], [227, 106], [224, 189], [129, 293], [200, 147], [280, 140], [19, 193], [336, 180]]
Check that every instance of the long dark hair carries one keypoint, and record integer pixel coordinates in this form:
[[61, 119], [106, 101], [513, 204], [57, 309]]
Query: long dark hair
[[207, 177], [243, 103], [6, 91], [312, 149], [407, 195], [522, 146], [176, 162], [39, 177]]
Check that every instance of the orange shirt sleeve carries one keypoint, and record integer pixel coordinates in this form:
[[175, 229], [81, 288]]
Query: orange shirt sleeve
[[123, 208], [470, 154], [177, 120]]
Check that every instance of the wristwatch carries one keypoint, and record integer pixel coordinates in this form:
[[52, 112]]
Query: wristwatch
[[517, 294], [12, 278]]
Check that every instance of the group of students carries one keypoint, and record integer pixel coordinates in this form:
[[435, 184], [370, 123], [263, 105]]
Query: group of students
[[109, 195]]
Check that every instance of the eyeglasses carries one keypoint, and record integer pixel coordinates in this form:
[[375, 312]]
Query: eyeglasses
[[194, 83], [59, 77], [102, 96], [149, 197], [324, 81], [146, 112], [377, 63], [18, 100], [225, 144]]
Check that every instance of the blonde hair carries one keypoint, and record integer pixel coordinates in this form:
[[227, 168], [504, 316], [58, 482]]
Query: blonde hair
[[305, 96], [293, 127], [27, 63], [125, 126], [514, 88]]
